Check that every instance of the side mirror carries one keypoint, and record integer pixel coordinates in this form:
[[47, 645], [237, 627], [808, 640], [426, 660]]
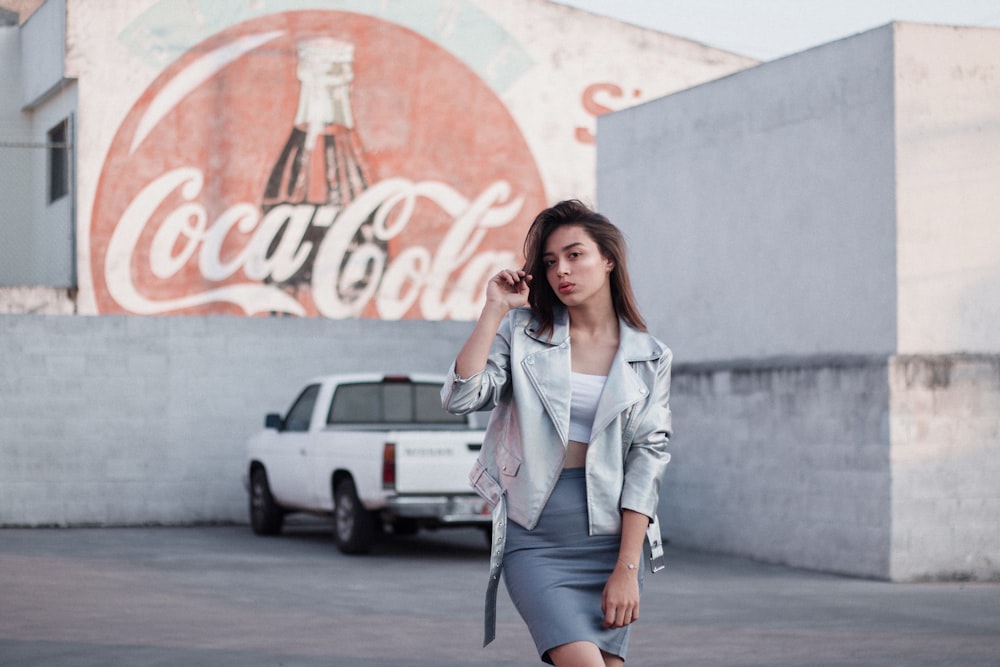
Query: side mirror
[[274, 421]]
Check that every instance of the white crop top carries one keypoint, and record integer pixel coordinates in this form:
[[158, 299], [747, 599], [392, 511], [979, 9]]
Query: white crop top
[[586, 390]]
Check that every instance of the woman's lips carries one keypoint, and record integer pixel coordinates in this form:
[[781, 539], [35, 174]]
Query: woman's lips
[[566, 287]]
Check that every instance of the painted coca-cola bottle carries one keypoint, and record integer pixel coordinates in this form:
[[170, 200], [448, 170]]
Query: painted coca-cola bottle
[[323, 162]]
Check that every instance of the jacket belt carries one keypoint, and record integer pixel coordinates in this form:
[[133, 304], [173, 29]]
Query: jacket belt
[[499, 542], [655, 540]]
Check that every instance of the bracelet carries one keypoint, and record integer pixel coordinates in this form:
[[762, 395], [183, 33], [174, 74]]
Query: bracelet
[[630, 566]]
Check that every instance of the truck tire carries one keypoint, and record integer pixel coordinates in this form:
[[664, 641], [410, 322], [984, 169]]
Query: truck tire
[[266, 516], [353, 525]]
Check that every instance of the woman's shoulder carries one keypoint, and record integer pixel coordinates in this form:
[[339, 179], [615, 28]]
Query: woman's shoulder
[[519, 319], [645, 344], [665, 352]]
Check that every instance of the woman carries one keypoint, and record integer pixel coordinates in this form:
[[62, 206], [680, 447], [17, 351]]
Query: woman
[[576, 444]]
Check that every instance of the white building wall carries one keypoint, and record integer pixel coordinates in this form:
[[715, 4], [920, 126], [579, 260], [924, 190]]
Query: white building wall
[[43, 51], [37, 237], [53, 228], [948, 171], [15, 159], [837, 403], [762, 206]]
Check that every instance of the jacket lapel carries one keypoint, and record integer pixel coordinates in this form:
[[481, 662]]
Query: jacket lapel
[[624, 388], [548, 369]]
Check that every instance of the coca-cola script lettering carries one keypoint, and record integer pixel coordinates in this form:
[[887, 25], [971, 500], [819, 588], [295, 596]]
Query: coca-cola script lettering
[[418, 275]]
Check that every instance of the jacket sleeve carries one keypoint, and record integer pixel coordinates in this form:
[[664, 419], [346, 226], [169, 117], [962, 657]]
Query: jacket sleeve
[[646, 456], [481, 391]]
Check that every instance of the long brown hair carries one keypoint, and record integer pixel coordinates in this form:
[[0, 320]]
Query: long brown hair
[[609, 240]]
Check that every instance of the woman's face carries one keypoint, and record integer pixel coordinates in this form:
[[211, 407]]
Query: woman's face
[[574, 266]]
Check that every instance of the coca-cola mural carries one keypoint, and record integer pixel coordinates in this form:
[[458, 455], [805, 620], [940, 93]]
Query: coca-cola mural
[[346, 158], [300, 164]]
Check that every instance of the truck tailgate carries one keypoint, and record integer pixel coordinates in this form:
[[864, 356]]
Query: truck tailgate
[[435, 462]]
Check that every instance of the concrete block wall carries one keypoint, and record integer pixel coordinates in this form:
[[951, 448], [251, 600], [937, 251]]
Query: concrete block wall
[[134, 420], [945, 454], [884, 468], [859, 465], [786, 463]]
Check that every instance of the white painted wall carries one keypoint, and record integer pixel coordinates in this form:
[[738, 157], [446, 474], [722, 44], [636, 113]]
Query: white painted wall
[[948, 172], [15, 172], [37, 238], [43, 51], [761, 206], [571, 46], [53, 228]]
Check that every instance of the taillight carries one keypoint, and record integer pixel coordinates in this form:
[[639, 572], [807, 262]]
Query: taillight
[[389, 466]]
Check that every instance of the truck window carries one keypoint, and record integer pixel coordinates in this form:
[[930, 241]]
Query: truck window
[[389, 403], [302, 409], [427, 406], [356, 403], [397, 403]]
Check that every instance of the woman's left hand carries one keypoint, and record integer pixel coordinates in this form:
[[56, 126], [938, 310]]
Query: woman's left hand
[[620, 600]]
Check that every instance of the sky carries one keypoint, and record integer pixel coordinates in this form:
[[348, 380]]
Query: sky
[[769, 29]]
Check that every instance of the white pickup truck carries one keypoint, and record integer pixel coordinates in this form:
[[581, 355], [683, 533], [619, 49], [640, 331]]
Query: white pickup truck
[[370, 450]]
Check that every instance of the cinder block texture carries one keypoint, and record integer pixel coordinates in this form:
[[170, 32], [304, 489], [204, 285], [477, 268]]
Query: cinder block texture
[[877, 468], [135, 420], [945, 453], [783, 463]]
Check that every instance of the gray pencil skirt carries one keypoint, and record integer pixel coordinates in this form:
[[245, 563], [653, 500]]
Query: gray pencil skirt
[[555, 574]]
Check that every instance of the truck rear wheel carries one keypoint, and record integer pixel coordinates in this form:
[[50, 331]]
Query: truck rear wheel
[[353, 525], [266, 517]]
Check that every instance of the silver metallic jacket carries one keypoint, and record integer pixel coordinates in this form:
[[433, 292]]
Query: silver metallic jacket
[[527, 384]]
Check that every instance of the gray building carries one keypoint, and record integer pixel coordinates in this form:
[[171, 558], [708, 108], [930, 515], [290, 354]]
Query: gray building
[[820, 245]]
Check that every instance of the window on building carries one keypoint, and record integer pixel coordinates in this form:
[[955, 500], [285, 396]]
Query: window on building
[[59, 161]]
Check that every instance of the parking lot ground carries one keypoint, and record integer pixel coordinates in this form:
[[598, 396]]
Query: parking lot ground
[[219, 596]]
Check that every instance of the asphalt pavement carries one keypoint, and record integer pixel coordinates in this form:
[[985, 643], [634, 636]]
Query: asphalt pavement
[[219, 596]]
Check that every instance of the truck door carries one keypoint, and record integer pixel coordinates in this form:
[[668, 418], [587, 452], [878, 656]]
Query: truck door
[[287, 472]]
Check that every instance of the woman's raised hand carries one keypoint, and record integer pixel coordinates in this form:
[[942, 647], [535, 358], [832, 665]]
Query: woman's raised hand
[[505, 291], [509, 289]]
